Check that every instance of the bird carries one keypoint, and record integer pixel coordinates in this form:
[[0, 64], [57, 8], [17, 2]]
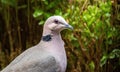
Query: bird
[[48, 55]]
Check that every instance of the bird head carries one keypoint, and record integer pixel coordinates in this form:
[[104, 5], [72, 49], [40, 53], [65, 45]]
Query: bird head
[[57, 23]]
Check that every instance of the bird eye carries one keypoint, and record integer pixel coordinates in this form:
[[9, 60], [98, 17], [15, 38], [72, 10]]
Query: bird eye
[[56, 21]]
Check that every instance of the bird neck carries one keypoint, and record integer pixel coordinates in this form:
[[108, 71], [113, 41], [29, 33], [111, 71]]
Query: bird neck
[[54, 40], [54, 44], [48, 35], [47, 38]]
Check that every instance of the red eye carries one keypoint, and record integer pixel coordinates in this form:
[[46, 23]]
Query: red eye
[[56, 21]]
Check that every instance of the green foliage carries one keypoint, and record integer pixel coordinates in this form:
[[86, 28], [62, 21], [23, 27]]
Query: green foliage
[[92, 66], [37, 13], [9, 2], [93, 32], [43, 12], [91, 47], [114, 54], [97, 20], [103, 60]]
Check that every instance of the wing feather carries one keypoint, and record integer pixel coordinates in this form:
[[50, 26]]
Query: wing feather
[[47, 64]]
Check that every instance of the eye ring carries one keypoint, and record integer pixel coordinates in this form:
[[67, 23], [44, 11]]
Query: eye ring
[[56, 21]]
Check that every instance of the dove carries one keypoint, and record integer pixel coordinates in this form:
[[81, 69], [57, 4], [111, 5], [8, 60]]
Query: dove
[[48, 55]]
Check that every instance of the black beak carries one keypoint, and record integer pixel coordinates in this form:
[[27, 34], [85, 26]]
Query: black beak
[[68, 26]]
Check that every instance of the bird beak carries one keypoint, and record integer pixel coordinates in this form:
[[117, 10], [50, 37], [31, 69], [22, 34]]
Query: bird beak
[[68, 26]]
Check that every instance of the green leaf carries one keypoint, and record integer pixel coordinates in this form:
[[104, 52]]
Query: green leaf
[[107, 14], [92, 66], [115, 54], [58, 12], [112, 56], [37, 13], [41, 22], [103, 60]]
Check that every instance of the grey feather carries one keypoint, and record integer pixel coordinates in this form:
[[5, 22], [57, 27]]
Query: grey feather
[[37, 61]]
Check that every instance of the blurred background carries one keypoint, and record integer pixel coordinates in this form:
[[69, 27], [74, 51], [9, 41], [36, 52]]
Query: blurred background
[[93, 46]]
